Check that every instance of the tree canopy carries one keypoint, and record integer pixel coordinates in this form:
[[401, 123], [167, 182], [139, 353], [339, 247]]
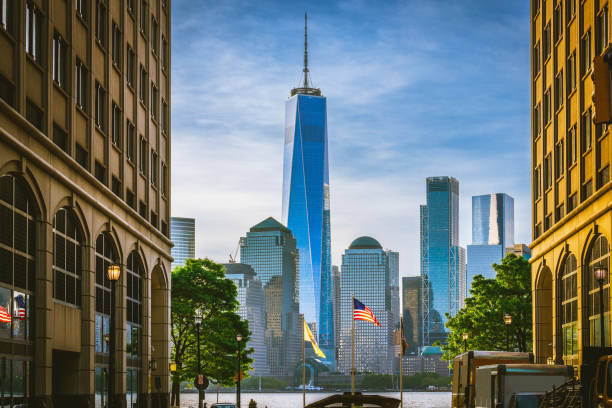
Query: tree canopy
[[201, 284], [482, 318]]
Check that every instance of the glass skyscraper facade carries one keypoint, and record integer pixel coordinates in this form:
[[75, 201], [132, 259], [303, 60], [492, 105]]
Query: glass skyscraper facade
[[270, 249], [365, 273], [182, 235], [492, 233], [412, 304], [306, 205], [252, 309], [442, 259]]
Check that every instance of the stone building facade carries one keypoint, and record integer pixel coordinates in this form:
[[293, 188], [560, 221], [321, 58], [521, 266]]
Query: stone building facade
[[84, 184]]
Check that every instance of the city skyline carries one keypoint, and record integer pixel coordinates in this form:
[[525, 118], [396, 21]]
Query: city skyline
[[219, 109]]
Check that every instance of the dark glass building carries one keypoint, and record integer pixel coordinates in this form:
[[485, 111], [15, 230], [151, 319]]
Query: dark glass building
[[182, 234], [270, 249], [306, 204], [492, 233], [412, 303], [442, 259]]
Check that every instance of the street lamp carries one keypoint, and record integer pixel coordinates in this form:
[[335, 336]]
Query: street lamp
[[238, 339], [507, 322], [465, 338], [113, 272], [198, 324], [601, 273]]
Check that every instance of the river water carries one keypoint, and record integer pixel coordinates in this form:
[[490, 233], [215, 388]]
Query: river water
[[294, 399]]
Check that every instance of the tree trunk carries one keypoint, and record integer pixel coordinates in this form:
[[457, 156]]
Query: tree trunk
[[176, 392]]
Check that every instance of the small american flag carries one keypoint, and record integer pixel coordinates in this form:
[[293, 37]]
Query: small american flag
[[5, 316], [20, 307], [362, 312]]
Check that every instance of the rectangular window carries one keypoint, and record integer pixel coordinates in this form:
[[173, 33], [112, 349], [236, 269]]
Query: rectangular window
[[603, 176], [587, 131], [116, 45], [572, 202], [6, 15], [81, 156], [536, 183], [547, 107], [100, 172], [571, 72], [100, 97], [143, 16], [585, 53], [101, 23], [143, 155], [558, 23], [7, 90], [131, 142], [164, 52], [154, 171], [129, 198], [142, 210], [34, 22], [164, 179], [130, 66], [536, 7], [537, 124], [81, 8], [547, 172], [130, 6], [559, 212], [536, 59], [59, 60], [587, 190], [559, 96], [81, 85], [154, 219], [602, 30], [154, 101], [34, 114], [559, 153], [154, 35], [60, 137], [572, 147], [116, 186], [116, 125], [143, 85], [164, 117], [546, 42], [571, 9]]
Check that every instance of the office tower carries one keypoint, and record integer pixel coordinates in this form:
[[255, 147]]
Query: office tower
[[442, 259], [269, 248], [412, 304], [570, 174], [394, 288], [519, 250], [306, 203], [182, 234], [365, 273], [72, 188], [252, 309], [492, 233], [337, 303]]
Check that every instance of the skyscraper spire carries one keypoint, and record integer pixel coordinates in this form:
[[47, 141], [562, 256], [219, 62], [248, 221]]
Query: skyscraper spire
[[305, 86]]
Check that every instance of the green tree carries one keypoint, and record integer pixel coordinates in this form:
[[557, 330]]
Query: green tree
[[201, 284], [482, 318]]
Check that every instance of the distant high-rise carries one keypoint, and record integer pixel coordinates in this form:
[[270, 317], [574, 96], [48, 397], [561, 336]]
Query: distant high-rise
[[365, 273], [270, 249], [520, 250], [306, 203], [442, 259], [394, 288], [337, 303], [492, 233], [182, 234], [412, 305], [253, 309]]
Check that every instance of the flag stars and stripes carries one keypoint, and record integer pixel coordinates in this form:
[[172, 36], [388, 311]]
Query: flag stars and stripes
[[362, 312]]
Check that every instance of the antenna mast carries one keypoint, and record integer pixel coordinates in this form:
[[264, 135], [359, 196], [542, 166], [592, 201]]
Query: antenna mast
[[306, 51]]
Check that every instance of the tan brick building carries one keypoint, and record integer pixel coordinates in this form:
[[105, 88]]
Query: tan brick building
[[570, 167], [84, 184]]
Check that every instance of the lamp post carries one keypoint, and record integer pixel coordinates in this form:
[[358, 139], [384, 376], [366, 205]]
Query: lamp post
[[113, 272], [198, 324], [238, 339], [601, 273], [507, 322], [465, 343]]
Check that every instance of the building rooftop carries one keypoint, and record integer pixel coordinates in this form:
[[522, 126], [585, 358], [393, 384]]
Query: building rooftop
[[365, 243], [269, 224], [239, 269], [430, 351]]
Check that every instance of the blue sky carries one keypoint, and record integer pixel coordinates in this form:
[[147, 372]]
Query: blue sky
[[414, 88]]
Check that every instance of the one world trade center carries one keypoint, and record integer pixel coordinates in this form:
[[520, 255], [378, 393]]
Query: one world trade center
[[306, 203]]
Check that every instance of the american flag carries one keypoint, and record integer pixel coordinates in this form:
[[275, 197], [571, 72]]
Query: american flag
[[5, 316], [20, 307], [362, 312]]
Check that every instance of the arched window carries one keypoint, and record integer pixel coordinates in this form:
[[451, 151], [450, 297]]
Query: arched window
[[599, 255], [67, 258], [134, 275], [106, 254], [569, 309], [17, 284]]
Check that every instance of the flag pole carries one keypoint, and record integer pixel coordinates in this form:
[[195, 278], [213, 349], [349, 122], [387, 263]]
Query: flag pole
[[353, 347], [303, 364], [401, 357]]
